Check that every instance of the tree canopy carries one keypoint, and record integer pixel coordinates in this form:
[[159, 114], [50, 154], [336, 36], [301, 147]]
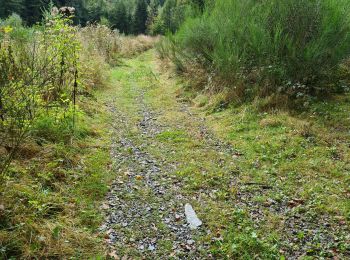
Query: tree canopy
[[129, 17]]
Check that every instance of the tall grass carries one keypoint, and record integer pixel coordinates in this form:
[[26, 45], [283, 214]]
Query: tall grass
[[287, 46]]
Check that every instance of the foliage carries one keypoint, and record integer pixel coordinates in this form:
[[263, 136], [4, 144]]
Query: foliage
[[52, 191], [170, 16], [119, 18], [39, 71], [101, 40], [269, 46], [129, 17], [55, 136]]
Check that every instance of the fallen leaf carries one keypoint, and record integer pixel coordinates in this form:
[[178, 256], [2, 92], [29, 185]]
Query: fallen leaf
[[114, 255], [105, 206], [295, 202], [139, 177]]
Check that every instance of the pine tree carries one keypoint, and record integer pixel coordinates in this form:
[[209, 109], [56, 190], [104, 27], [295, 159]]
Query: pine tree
[[119, 17], [33, 11], [140, 17], [11, 6], [129, 23], [153, 10], [95, 10], [167, 15]]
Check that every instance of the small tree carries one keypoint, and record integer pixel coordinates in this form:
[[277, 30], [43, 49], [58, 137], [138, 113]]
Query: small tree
[[167, 15]]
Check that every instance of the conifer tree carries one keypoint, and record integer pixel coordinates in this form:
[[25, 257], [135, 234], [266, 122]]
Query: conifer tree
[[153, 10], [33, 11], [167, 14], [9, 7], [119, 17], [140, 17]]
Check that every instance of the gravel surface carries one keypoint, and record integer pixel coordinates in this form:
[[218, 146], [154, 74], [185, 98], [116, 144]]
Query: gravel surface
[[145, 210]]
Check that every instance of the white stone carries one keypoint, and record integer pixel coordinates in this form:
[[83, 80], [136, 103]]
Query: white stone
[[191, 217]]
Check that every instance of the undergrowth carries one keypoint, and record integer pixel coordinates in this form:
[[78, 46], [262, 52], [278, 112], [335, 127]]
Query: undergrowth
[[290, 49], [51, 195]]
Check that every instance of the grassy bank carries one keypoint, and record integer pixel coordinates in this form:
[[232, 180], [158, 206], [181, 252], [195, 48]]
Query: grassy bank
[[51, 196], [294, 169]]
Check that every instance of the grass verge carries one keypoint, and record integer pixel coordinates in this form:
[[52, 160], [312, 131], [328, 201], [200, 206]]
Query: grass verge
[[50, 199]]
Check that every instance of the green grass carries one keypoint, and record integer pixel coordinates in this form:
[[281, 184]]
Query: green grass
[[173, 136], [293, 148], [53, 191]]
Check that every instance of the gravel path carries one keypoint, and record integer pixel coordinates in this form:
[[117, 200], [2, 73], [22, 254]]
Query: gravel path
[[145, 207]]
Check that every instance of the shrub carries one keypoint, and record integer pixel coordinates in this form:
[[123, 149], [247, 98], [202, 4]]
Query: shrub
[[278, 44], [38, 71]]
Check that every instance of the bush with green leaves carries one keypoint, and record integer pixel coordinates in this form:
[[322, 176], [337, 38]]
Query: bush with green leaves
[[288, 46], [38, 72]]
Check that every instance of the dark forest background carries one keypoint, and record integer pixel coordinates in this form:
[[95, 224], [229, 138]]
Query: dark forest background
[[128, 16]]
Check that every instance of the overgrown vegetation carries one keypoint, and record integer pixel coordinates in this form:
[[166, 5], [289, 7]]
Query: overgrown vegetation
[[128, 17], [253, 48], [39, 73], [54, 142], [263, 154]]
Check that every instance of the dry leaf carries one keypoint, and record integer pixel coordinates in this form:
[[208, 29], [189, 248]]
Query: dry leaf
[[105, 206], [114, 255]]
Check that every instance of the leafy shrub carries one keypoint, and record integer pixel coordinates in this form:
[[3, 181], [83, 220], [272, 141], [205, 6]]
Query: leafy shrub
[[38, 71], [279, 44]]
